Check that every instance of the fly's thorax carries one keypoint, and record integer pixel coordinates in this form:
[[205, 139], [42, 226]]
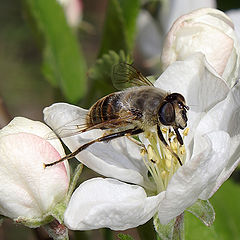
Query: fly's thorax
[[146, 100]]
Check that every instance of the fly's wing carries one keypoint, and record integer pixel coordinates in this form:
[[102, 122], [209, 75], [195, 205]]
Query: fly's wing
[[79, 125], [125, 75], [67, 129]]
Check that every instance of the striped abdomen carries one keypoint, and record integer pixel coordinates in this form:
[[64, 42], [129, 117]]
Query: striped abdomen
[[106, 108]]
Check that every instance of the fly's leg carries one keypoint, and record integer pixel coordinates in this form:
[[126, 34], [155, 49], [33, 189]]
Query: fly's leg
[[127, 132], [179, 137], [160, 135]]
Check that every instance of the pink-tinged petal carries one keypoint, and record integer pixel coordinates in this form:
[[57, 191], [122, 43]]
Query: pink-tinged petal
[[24, 125], [194, 176], [99, 203], [27, 189]]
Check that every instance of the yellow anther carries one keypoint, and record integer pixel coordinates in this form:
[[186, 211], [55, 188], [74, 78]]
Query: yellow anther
[[147, 134], [164, 130], [150, 152], [171, 134], [185, 132], [174, 145], [143, 151], [163, 174], [168, 163], [182, 150]]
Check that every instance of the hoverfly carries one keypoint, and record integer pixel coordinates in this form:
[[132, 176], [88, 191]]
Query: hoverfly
[[133, 110]]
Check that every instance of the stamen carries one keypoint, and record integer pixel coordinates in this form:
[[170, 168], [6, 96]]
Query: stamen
[[160, 162], [185, 132]]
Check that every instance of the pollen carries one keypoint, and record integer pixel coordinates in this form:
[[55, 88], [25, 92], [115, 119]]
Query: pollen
[[185, 132], [164, 130]]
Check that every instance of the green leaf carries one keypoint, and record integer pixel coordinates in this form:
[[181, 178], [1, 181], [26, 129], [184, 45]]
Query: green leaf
[[130, 10], [125, 237], [195, 229], [119, 26], [64, 65], [226, 204], [204, 211]]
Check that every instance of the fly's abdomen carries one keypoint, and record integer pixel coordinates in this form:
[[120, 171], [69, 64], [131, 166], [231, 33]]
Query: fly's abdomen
[[105, 109]]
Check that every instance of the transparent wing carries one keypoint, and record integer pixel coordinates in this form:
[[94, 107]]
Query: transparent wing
[[78, 126], [125, 75], [68, 129]]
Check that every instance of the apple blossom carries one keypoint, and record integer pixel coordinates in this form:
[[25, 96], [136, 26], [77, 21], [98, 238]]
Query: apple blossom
[[151, 31], [209, 31], [210, 154], [30, 193]]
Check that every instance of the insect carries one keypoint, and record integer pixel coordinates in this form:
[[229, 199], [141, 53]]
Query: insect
[[133, 110]]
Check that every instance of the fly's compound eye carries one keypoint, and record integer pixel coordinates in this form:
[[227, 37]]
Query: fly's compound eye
[[166, 114]]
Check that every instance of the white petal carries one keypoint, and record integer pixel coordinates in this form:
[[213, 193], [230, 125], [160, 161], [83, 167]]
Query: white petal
[[119, 158], [27, 189], [224, 116], [99, 203], [193, 177], [196, 81]]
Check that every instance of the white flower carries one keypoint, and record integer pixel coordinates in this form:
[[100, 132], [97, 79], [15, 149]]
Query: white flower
[[209, 31], [28, 192], [210, 155], [151, 31]]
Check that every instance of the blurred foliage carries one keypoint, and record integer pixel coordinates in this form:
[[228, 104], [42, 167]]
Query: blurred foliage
[[64, 64], [125, 237], [120, 21], [226, 5], [226, 204], [100, 74]]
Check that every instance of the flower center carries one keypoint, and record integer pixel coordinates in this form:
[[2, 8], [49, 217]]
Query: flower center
[[160, 162]]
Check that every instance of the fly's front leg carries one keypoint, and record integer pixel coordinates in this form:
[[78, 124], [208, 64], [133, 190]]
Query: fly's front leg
[[179, 137], [160, 135], [127, 132]]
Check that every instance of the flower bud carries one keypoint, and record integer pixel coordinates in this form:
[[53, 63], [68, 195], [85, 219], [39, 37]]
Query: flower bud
[[73, 11], [28, 191], [209, 31]]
